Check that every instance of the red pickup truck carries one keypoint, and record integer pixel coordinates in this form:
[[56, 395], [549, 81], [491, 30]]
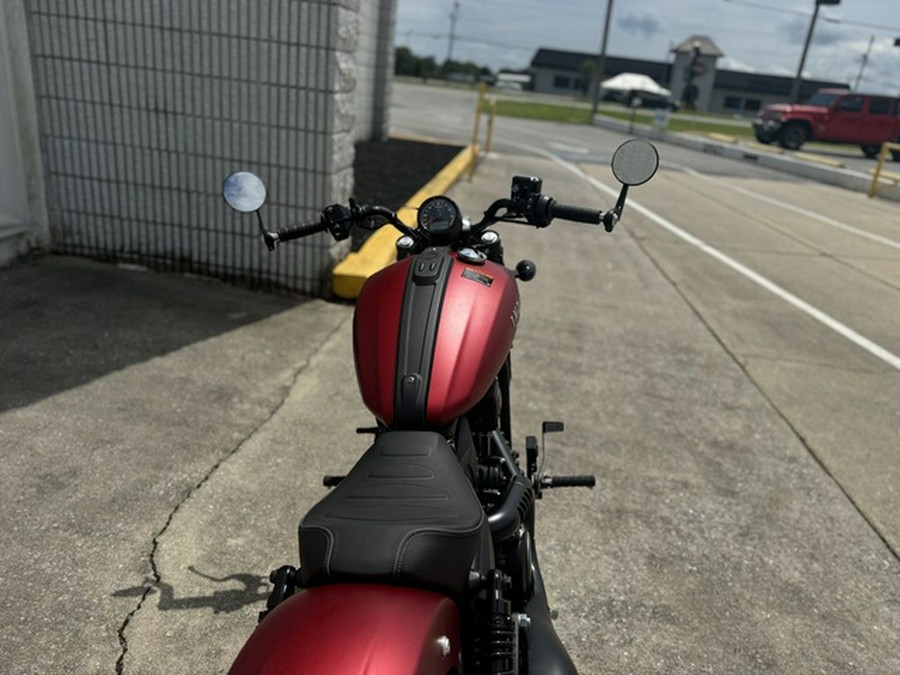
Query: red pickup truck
[[833, 116]]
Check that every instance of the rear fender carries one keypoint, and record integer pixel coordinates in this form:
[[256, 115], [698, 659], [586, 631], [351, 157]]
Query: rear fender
[[355, 629]]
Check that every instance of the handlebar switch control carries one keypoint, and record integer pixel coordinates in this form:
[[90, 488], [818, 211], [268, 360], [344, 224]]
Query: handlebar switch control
[[338, 219], [525, 186]]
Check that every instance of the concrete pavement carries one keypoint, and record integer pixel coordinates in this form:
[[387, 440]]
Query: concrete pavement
[[122, 392], [166, 434]]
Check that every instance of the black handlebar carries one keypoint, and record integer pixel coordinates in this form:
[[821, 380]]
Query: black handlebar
[[298, 231], [272, 239], [577, 213], [528, 205]]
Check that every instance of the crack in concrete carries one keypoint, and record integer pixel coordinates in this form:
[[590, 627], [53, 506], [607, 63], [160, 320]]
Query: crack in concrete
[[155, 574], [748, 357]]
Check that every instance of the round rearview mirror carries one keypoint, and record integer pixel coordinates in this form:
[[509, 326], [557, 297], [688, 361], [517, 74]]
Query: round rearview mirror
[[244, 191], [635, 162]]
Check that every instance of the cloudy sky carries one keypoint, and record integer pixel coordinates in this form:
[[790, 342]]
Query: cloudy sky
[[756, 35]]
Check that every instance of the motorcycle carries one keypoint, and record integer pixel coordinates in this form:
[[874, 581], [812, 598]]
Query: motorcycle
[[422, 559]]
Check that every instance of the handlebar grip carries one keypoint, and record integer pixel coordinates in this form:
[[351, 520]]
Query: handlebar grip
[[577, 213], [570, 481], [298, 231]]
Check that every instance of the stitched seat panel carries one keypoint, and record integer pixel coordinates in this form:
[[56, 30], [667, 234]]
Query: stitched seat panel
[[404, 514]]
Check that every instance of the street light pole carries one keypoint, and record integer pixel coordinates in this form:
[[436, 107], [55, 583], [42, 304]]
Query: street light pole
[[795, 89], [862, 66], [601, 66]]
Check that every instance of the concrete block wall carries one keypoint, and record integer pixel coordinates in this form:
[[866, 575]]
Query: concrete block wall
[[146, 106], [23, 215], [375, 67]]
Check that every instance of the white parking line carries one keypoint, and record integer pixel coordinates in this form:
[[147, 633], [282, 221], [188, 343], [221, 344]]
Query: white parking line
[[570, 149], [841, 329], [795, 209]]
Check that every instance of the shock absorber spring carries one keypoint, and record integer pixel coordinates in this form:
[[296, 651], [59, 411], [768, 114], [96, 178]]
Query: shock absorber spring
[[498, 641]]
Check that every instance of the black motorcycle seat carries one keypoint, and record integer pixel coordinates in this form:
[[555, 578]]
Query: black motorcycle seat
[[405, 514]]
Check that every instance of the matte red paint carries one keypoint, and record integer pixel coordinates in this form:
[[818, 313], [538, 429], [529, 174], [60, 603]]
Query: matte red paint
[[478, 324], [354, 629], [475, 333], [376, 331]]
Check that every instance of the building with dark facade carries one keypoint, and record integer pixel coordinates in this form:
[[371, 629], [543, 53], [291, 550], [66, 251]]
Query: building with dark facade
[[691, 76]]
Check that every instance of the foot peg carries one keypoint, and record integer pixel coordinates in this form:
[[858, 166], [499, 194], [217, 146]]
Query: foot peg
[[541, 480], [587, 481]]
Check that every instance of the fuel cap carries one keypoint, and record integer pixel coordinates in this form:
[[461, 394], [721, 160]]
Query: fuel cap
[[471, 256]]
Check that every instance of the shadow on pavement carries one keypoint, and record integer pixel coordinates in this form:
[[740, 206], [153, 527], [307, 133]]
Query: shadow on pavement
[[67, 321], [254, 589]]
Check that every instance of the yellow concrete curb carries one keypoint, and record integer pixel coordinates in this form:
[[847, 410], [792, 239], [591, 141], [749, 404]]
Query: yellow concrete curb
[[379, 251], [416, 138], [886, 176], [723, 138], [774, 149]]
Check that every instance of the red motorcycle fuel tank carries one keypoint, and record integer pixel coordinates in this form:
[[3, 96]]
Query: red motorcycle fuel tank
[[430, 334], [355, 629]]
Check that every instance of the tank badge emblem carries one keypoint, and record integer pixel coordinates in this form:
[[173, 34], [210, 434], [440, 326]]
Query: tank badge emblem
[[480, 277]]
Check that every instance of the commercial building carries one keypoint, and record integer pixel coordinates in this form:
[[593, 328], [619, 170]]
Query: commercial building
[[692, 75]]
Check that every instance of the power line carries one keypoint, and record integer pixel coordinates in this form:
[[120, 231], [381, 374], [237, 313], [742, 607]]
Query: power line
[[489, 43], [806, 15]]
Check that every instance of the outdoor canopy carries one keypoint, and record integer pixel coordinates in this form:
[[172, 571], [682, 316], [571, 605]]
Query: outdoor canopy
[[634, 82]]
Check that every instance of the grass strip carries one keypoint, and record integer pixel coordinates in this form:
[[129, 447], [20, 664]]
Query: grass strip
[[547, 112]]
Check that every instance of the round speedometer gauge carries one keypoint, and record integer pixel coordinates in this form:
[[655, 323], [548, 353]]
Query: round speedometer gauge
[[441, 217]]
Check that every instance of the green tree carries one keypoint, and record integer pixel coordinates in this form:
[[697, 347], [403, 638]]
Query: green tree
[[427, 67], [405, 62]]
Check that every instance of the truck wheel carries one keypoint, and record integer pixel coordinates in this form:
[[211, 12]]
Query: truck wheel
[[793, 136], [765, 139], [870, 151]]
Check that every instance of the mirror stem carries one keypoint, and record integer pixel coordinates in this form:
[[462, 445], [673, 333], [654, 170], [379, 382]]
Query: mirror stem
[[610, 218], [620, 203], [268, 237]]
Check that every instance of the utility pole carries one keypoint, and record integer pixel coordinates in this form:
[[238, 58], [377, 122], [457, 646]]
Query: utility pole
[[454, 15], [601, 66], [795, 89]]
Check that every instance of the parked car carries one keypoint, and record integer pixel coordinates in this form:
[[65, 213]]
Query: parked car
[[833, 116], [650, 100]]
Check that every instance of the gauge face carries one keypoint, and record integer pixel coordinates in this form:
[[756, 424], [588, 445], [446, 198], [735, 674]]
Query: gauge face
[[441, 217]]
